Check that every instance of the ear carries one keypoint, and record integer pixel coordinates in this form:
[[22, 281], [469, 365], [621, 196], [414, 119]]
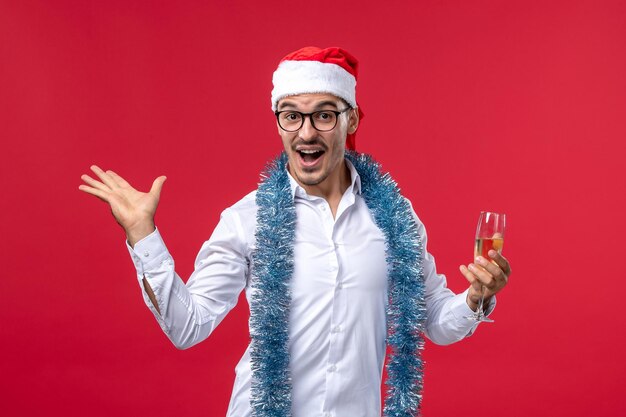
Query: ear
[[353, 121]]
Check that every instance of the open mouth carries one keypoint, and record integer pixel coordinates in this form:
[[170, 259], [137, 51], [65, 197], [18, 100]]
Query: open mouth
[[309, 157]]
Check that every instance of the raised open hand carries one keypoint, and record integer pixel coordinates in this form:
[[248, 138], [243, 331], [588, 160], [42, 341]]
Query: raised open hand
[[132, 209]]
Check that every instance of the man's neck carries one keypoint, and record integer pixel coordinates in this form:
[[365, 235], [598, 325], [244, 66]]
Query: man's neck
[[332, 188]]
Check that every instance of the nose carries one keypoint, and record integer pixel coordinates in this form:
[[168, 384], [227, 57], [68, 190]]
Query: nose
[[307, 131]]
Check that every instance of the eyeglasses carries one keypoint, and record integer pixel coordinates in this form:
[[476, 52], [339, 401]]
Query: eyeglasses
[[322, 120]]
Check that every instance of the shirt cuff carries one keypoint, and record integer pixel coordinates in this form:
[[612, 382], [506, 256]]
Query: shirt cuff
[[492, 306], [461, 311], [459, 308], [148, 252]]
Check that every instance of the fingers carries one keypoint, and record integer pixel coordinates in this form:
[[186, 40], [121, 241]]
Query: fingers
[[157, 186], [111, 180], [501, 261], [104, 177], [487, 274], [121, 182], [493, 269], [93, 183], [471, 278], [483, 275], [102, 195]]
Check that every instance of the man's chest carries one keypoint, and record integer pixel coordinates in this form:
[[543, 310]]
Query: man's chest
[[343, 254]]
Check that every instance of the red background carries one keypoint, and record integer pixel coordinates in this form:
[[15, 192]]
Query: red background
[[514, 106]]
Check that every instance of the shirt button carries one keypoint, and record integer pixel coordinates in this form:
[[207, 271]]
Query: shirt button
[[146, 254], [323, 208], [332, 368], [336, 329], [326, 414]]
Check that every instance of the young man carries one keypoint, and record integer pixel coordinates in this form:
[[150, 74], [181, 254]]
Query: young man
[[332, 258]]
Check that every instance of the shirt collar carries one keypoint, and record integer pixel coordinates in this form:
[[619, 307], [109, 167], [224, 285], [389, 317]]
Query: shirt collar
[[355, 182]]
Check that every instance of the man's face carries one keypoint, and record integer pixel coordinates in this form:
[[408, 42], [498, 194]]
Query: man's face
[[316, 158]]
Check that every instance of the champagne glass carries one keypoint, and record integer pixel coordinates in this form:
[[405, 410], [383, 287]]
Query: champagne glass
[[489, 235]]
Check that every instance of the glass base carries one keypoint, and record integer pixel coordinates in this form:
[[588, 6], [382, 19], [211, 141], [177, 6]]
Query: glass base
[[479, 317]]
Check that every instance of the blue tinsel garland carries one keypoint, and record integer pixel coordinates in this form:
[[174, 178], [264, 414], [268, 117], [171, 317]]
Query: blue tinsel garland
[[273, 267]]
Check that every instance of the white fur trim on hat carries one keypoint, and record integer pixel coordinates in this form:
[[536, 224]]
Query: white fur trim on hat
[[301, 77]]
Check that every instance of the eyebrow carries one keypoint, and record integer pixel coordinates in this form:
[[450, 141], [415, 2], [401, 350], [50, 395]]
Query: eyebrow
[[317, 107], [326, 103]]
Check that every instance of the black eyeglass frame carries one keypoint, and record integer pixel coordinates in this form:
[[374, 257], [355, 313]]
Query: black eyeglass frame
[[310, 116]]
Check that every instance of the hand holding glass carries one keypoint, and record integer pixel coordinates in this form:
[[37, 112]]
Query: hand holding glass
[[489, 235]]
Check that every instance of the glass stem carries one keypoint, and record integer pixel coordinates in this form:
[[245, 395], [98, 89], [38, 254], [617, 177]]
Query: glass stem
[[480, 312]]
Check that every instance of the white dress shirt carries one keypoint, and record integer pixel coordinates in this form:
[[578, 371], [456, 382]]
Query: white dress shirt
[[337, 326]]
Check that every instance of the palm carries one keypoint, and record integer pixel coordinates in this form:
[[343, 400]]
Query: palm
[[129, 206]]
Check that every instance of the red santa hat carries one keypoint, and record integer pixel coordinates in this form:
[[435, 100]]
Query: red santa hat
[[315, 70]]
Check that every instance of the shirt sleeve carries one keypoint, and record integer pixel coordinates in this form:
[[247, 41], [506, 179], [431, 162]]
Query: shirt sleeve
[[446, 311], [190, 312]]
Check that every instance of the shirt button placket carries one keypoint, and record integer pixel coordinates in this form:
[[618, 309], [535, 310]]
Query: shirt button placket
[[333, 365], [336, 329]]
